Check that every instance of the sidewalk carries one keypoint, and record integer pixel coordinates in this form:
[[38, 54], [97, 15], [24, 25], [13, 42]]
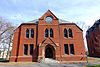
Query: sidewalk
[[15, 63], [92, 60]]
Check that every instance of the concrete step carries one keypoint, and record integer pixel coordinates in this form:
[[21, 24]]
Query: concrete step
[[49, 60]]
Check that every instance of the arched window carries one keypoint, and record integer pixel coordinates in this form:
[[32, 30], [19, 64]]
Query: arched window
[[51, 32], [70, 33], [65, 33], [32, 33], [27, 33], [46, 33]]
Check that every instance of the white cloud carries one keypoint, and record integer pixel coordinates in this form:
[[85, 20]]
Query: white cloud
[[87, 11]]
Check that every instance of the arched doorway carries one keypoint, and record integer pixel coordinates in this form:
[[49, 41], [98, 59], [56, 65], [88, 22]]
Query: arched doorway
[[49, 52]]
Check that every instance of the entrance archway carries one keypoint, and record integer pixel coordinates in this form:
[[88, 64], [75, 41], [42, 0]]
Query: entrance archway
[[49, 52]]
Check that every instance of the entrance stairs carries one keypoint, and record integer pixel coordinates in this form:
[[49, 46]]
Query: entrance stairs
[[49, 60]]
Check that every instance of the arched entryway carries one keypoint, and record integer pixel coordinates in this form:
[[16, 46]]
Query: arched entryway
[[49, 52]]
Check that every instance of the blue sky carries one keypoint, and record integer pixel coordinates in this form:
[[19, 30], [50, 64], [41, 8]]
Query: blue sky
[[18, 11]]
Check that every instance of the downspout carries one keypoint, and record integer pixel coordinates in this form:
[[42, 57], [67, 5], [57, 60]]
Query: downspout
[[37, 46]]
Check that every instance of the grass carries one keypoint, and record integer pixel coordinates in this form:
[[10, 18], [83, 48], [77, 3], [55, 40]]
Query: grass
[[94, 65], [3, 60]]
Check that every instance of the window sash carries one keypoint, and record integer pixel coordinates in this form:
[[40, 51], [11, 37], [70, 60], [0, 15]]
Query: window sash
[[25, 49], [65, 33], [46, 33], [66, 49], [31, 49], [51, 33], [32, 33], [71, 49]]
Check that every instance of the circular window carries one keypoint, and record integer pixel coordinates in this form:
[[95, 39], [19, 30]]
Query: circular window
[[49, 19]]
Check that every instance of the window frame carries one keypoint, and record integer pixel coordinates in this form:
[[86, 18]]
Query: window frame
[[65, 33], [66, 49], [72, 51], [46, 33], [51, 33], [31, 49], [32, 33], [25, 49], [70, 33], [27, 33]]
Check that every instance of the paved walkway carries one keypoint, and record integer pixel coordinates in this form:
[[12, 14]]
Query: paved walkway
[[41, 65], [91, 61]]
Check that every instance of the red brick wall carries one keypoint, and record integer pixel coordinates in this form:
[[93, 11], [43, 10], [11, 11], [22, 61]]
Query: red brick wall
[[77, 40], [93, 42], [40, 42]]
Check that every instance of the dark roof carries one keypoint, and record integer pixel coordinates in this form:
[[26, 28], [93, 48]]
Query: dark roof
[[36, 22], [67, 23], [62, 21], [95, 25], [53, 14], [28, 24], [71, 24]]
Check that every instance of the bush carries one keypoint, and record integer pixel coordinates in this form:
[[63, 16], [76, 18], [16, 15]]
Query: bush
[[3, 60]]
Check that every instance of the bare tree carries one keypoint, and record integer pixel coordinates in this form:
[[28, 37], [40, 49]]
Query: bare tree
[[6, 34], [84, 27]]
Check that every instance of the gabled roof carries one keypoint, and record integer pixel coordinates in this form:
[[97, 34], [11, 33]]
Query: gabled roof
[[48, 13]]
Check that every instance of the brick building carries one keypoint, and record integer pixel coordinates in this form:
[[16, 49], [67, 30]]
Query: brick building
[[93, 39], [48, 37]]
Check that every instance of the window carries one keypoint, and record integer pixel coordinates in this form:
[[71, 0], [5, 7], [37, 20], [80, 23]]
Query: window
[[70, 33], [31, 49], [46, 33], [25, 49], [49, 19], [66, 48], [51, 32], [71, 49], [27, 33], [32, 33], [65, 33]]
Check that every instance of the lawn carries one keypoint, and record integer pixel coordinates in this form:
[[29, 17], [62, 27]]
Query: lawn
[[93, 65]]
